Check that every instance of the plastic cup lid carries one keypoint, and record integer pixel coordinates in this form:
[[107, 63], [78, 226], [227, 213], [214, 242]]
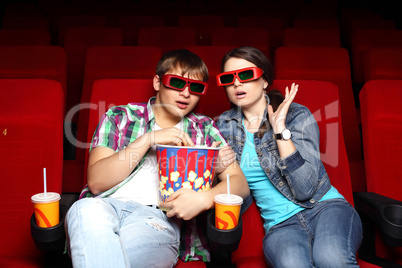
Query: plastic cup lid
[[226, 199], [41, 198]]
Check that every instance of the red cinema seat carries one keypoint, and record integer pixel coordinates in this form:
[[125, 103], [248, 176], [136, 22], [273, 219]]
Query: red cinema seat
[[76, 43], [326, 111], [167, 38], [130, 90], [380, 102], [23, 62], [384, 63], [308, 37], [105, 63], [24, 37], [241, 36], [363, 40], [203, 26], [317, 23], [31, 139], [25, 23], [328, 64], [130, 26], [66, 22], [273, 25]]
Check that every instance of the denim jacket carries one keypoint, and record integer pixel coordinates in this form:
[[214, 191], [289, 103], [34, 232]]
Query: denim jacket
[[301, 176]]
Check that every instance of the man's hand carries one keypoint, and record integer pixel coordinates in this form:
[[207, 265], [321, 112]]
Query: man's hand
[[186, 203]]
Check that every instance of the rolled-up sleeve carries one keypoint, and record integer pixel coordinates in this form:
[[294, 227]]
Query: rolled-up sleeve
[[301, 168]]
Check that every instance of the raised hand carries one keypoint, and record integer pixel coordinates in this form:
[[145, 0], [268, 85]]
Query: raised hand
[[277, 119]]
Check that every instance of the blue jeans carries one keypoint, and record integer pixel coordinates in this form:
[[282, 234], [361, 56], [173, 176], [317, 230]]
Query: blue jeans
[[106, 232], [327, 235]]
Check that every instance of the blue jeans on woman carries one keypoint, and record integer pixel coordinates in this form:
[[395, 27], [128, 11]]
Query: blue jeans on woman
[[327, 235], [106, 232]]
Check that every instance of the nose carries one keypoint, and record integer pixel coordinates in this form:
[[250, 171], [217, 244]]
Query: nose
[[237, 82], [185, 93]]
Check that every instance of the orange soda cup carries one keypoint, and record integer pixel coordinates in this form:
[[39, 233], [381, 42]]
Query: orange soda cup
[[46, 209], [227, 211]]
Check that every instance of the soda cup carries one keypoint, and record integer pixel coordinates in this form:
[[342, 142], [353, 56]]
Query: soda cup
[[227, 211], [46, 209]]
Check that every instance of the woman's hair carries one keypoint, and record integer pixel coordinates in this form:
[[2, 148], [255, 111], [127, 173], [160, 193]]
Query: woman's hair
[[187, 61], [254, 56], [258, 58]]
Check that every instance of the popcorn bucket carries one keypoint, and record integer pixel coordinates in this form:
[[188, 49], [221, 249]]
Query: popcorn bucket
[[185, 167]]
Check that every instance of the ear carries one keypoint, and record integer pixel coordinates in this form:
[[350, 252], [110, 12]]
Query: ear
[[157, 83], [265, 85]]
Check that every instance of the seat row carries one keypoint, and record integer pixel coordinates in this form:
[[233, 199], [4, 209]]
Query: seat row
[[317, 63], [31, 122]]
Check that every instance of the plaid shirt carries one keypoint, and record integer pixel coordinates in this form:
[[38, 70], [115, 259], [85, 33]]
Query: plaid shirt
[[121, 125]]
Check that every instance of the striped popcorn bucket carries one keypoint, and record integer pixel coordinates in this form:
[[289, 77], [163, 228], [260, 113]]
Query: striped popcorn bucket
[[185, 167]]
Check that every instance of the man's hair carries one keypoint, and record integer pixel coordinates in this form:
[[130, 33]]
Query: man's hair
[[187, 61]]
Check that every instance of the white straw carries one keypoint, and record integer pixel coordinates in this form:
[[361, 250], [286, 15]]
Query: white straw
[[228, 184], [44, 181]]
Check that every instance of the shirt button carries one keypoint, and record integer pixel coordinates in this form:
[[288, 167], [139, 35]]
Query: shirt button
[[259, 135], [312, 201], [280, 183]]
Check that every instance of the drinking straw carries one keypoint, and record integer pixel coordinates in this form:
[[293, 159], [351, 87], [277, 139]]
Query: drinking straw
[[228, 184], [44, 181]]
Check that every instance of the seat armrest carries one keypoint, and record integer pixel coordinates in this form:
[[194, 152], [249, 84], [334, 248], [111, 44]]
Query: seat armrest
[[385, 212]]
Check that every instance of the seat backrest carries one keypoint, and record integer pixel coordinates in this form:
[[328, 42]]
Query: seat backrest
[[25, 23], [326, 64], [66, 22], [47, 62], [103, 98], [76, 43], [118, 62], [203, 26], [363, 40], [274, 26], [24, 37], [31, 138], [317, 23], [384, 63], [167, 38], [380, 102], [130, 26], [297, 37], [241, 36], [326, 111]]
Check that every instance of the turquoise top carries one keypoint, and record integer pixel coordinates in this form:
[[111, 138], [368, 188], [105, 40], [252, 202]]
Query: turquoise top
[[273, 205]]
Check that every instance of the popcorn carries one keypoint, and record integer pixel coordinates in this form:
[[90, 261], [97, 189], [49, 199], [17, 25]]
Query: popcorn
[[198, 182], [207, 173], [191, 176], [174, 176], [187, 185]]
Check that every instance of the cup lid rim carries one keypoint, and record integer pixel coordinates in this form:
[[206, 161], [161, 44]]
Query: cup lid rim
[[50, 196]]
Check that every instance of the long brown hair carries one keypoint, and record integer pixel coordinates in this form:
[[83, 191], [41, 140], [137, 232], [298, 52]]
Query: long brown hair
[[258, 58]]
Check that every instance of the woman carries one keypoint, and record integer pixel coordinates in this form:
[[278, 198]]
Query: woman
[[307, 221]]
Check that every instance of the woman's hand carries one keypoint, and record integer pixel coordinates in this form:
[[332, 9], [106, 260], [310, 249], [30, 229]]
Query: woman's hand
[[226, 157], [277, 119]]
